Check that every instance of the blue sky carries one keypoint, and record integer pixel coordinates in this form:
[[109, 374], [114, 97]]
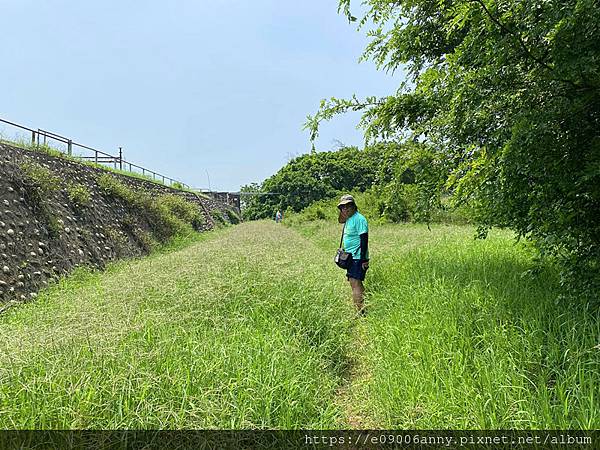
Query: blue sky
[[185, 87]]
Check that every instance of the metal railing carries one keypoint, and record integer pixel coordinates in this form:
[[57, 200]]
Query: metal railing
[[41, 138]]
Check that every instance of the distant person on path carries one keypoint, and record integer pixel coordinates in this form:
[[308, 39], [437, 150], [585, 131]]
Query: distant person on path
[[278, 217], [356, 241]]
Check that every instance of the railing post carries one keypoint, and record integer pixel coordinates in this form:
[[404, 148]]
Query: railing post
[[70, 147], [120, 158], [32, 137]]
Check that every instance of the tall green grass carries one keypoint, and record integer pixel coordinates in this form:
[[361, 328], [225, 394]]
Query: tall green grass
[[234, 331], [376, 208], [253, 327], [459, 335]]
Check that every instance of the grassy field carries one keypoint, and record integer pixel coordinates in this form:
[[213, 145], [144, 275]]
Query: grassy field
[[459, 336], [252, 327], [234, 331]]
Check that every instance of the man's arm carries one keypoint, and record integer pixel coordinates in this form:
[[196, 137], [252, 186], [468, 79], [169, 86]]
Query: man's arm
[[364, 246]]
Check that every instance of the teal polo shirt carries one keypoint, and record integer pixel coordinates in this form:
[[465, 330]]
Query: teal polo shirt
[[355, 226]]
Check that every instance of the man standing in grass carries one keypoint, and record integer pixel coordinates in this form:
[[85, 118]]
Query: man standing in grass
[[356, 241]]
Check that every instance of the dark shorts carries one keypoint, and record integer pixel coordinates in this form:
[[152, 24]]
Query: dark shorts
[[356, 271]]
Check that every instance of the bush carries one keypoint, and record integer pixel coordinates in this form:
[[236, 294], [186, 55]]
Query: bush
[[167, 215], [118, 239], [320, 214], [39, 182], [327, 209], [53, 226], [163, 223], [78, 194], [394, 203], [114, 188], [218, 216], [234, 218], [142, 238], [182, 209]]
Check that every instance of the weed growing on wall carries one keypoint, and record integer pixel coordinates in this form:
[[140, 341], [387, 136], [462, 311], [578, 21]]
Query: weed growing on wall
[[39, 184], [181, 208], [166, 215], [118, 238], [233, 217], [78, 194]]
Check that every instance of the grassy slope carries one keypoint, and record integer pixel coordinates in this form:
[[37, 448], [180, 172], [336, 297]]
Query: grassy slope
[[457, 337], [253, 328], [61, 153], [223, 333]]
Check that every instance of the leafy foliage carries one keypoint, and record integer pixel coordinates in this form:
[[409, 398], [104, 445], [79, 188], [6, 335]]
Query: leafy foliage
[[166, 215], [400, 183], [233, 216], [182, 209], [506, 97], [218, 216], [78, 194], [368, 202], [381, 205], [39, 184], [316, 176]]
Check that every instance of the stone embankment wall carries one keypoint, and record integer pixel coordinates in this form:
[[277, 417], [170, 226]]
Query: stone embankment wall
[[42, 239]]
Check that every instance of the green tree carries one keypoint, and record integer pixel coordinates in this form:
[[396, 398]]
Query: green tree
[[506, 96], [320, 175]]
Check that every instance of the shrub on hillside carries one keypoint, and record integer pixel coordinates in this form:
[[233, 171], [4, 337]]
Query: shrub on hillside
[[167, 215], [234, 218], [143, 239], [78, 194], [218, 216], [118, 240], [182, 209], [114, 188], [39, 183]]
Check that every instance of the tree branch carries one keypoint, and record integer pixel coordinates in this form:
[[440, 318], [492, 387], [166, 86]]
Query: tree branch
[[333, 107]]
